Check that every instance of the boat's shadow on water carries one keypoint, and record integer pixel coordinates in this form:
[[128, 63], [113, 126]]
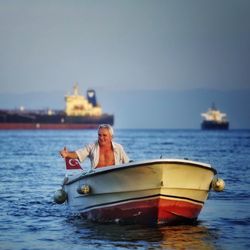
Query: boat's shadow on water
[[196, 236]]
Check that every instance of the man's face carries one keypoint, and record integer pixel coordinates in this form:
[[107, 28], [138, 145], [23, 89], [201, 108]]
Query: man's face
[[104, 137]]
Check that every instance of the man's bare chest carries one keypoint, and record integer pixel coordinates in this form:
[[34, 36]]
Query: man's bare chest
[[106, 158]]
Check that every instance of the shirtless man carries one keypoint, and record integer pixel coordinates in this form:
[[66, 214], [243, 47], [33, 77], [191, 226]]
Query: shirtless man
[[104, 152]]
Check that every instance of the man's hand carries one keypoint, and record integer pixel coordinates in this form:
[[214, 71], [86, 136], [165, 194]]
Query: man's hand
[[64, 152]]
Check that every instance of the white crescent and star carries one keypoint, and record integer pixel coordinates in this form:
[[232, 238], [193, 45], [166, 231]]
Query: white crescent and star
[[73, 162]]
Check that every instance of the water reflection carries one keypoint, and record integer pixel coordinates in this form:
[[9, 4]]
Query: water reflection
[[188, 237], [136, 236]]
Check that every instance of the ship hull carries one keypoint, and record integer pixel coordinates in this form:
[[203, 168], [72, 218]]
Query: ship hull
[[31, 126], [32, 120], [211, 125]]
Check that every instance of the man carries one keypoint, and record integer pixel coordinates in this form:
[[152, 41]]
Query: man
[[104, 152]]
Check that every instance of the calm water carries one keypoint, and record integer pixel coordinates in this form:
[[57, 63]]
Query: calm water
[[31, 171]]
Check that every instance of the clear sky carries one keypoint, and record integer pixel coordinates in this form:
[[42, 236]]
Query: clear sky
[[123, 45]]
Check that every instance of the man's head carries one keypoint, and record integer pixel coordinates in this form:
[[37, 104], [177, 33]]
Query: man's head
[[105, 134]]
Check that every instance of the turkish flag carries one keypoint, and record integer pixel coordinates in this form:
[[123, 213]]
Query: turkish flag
[[72, 164]]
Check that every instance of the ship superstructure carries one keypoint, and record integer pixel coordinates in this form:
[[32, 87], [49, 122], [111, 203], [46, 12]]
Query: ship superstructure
[[80, 113], [78, 105], [214, 119]]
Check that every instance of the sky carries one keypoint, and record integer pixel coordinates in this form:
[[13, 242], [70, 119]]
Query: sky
[[144, 52]]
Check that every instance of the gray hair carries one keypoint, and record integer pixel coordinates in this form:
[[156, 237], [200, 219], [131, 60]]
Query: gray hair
[[109, 127]]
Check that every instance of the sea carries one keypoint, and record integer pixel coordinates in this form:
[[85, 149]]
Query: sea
[[31, 170]]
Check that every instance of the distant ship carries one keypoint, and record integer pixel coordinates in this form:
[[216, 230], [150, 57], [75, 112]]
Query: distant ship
[[213, 119], [80, 113]]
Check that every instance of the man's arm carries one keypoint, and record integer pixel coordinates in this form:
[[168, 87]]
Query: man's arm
[[70, 154]]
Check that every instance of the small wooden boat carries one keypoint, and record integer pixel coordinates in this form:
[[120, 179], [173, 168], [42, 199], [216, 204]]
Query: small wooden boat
[[161, 191]]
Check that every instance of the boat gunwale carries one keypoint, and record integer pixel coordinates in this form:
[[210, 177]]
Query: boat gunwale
[[108, 169]]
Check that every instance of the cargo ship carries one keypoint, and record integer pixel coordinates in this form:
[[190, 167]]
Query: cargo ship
[[214, 119], [80, 113]]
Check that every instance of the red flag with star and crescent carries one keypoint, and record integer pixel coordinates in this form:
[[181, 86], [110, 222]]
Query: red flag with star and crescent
[[72, 164]]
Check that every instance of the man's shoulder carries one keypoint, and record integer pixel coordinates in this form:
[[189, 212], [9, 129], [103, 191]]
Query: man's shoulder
[[91, 145], [117, 145]]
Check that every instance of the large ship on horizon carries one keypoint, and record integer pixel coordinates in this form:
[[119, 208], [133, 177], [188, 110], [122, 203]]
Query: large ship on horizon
[[214, 119], [79, 113]]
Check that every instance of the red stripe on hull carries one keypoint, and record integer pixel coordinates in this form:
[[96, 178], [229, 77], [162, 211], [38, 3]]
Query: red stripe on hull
[[153, 211], [31, 126]]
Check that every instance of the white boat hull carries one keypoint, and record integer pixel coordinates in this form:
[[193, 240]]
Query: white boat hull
[[151, 192]]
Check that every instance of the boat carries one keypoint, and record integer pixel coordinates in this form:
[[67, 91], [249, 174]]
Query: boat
[[153, 192], [214, 119], [79, 113]]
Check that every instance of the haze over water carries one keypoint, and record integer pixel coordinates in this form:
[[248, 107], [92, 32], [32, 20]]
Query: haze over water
[[153, 63]]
